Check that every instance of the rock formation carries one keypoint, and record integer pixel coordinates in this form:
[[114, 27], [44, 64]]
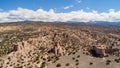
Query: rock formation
[[58, 49], [98, 51]]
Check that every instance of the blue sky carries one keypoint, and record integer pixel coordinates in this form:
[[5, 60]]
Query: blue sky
[[58, 5], [60, 10]]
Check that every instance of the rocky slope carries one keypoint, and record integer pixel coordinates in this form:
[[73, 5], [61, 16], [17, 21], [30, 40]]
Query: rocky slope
[[32, 45]]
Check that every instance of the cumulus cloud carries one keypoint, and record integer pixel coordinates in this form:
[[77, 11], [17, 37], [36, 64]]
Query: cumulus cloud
[[67, 7], [22, 14]]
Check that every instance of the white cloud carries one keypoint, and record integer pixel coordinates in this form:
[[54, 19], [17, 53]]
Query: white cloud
[[111, 10], [87, 8], [78, 1], [67, 7], [22, 14]]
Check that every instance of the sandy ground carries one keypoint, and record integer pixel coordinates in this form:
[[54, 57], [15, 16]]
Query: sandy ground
[[84, 62]]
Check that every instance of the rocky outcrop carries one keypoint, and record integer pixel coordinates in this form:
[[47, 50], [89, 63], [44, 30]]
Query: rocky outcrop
[[98, 51], [101, 51], [58, 49]]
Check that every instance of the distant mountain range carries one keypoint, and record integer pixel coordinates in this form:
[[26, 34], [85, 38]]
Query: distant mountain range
[[105, 23]]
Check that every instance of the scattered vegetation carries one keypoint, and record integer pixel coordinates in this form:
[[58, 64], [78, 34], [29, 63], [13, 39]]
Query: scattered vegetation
[[77, 64], [58, 65], [73, 53], [57, 58], [8, 39], [67, 64], [91, 63], [108, 62], [43, 65], [78, 56], [76, 60], [71, 40], [73, 58], [117, 60]]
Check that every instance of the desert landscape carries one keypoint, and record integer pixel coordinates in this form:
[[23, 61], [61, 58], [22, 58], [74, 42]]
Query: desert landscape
[[59, 45], [59, 34]]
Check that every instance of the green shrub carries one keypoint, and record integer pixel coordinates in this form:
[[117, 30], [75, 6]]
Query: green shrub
[[91, 63], [108, 62], [73, 53], [77, 64], [58, 65], [117, 60], [73, 58], [76, 60], [67, 64], [43, 65], [78, 56]]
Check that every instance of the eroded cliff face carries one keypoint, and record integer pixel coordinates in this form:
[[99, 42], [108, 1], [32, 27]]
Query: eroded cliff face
[[45, 42]]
